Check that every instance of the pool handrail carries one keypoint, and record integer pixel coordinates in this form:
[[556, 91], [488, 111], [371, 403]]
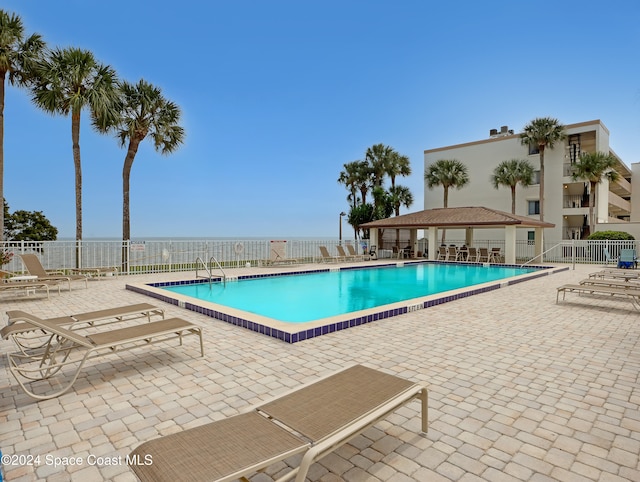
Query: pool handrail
[[208, 269]]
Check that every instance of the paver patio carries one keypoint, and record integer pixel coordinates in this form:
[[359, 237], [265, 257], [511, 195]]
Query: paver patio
[[519, 389]]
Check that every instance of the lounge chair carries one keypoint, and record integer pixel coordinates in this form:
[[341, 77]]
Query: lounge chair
[[352, 253], [67, 351], [327, 257], [96, 272], [615, 274], [342, 254], [27, 286], [35, 268], [627, 259], [632, 294], [19, 323], [312, 421]]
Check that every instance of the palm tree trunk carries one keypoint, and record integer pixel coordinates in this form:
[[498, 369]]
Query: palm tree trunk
[[75, 140], [2, 78], [513, 199], [592, 203], [445, 204], [126, 220], [541, 200]]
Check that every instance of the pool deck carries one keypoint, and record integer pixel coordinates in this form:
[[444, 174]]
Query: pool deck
[[520, 388]]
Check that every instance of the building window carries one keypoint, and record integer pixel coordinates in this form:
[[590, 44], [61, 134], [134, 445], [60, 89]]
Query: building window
[[536, 177], [534, 207], [531, 237], [533, 150]]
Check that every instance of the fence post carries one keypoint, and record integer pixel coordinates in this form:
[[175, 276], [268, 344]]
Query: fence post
[[573, 252]]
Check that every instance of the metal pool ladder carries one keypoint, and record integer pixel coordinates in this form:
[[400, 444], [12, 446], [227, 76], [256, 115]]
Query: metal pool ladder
[[209, 269]]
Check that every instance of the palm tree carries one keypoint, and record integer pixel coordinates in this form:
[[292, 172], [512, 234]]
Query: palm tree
[[594, 167], [349, 177], [141, 111], [511, 173], [68, 81], [397, 165], [447, 173], [378, 158], [16, 58], [541, 133], [400, 196]]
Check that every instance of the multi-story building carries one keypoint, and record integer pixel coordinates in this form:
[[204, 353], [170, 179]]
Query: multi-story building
[[566, 201]]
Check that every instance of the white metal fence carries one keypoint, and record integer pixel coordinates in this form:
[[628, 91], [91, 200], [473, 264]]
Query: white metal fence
[[154, 256]]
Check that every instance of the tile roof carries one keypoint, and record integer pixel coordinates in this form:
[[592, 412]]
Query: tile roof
[[460, 217]]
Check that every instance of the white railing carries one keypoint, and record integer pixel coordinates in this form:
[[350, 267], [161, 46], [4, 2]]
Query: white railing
[[154, 256]]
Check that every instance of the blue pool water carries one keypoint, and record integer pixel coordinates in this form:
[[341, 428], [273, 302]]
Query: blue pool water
[[305, 297]]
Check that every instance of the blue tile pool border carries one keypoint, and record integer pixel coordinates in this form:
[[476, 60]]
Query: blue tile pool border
[[305, 334]]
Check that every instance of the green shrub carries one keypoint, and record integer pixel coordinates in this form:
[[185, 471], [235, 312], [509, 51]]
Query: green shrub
[[614, 235]]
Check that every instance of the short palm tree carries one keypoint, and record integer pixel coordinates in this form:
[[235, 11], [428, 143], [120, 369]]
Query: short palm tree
[[594, 167], [400, 196], [511, 173], [142, 111], [542, 133], [16, 57], [447, 173], [68, 81]]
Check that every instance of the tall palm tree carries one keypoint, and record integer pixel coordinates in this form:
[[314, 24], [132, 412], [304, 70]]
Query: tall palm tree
[[68, 81], [142, 111], [511, 173], [378, 158], [16, 57], [594, 167], [397, 165], [447, 173], [349, 177], [542, 133]]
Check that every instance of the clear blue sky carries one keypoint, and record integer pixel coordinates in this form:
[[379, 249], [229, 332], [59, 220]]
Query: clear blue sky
[[277, 95]]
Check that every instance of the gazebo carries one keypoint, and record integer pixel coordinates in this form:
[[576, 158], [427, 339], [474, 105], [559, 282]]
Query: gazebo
[[467, 218]]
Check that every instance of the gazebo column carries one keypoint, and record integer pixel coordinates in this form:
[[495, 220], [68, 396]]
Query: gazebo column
[[373, 240], [433, 242], [413, 241], [468, 236], [510, 244]]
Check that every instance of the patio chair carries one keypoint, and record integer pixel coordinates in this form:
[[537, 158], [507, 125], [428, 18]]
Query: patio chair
[[35, 268], [608, 258], [627, 259], [312, 421], [452, 253], [495, 255], [483, 255], [442, 253], [67, 351], [472, 255], [8, 282], [326, 257]]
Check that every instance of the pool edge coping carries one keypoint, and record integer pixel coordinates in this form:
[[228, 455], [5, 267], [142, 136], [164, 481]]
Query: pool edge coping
[[292, 333]]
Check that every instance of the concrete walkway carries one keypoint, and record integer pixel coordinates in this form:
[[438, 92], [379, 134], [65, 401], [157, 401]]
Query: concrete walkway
[[520, 389]]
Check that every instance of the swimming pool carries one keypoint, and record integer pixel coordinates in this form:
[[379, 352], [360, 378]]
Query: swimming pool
[[298, 305]]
